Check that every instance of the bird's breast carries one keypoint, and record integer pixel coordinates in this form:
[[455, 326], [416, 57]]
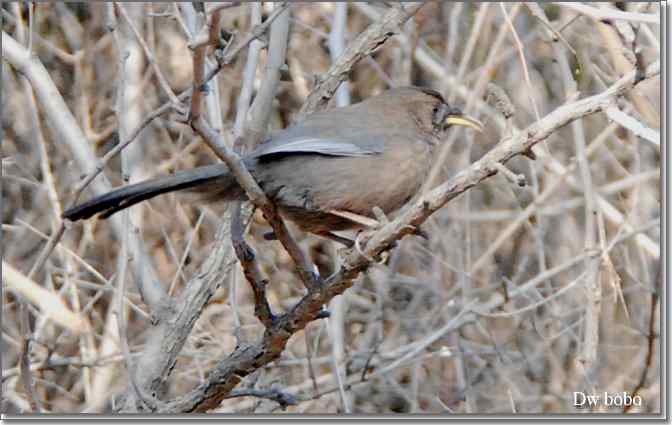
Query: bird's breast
[[387, 180]]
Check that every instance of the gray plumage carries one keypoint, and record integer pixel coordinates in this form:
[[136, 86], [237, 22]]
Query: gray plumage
[[374, 153]]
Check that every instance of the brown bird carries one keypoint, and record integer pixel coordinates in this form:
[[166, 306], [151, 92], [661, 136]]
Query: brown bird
[[327, 170]]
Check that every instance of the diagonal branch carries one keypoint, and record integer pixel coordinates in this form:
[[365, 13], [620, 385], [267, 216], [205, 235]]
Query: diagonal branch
[[245, 360], [485, 167], [258, 198], [166, 340]]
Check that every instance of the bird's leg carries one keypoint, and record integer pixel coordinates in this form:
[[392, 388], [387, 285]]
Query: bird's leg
[[372, 225], [419, 231], [382, 221], [323, 313], [349, 243], [382, 257], [356, 219], [270, 236]]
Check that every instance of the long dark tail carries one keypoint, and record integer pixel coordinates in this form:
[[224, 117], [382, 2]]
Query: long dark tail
[[211, 180]]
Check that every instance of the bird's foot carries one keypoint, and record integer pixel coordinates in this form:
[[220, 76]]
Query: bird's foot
[[270, 236], [244, 251], [360, 244], [323, 314], [314, 281], [421, 232], [349, 243]]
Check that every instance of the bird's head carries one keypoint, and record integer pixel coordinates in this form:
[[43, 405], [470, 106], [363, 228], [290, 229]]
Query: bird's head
[[431, 110]]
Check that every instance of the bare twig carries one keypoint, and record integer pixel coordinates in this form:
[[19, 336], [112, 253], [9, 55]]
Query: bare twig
[[637, 127], [254, 275], [150, 56], [185, 255], [650, 337], [245, 95], [257, 196], [237, 228], [362, 46], [498, 98], [55, 110], [616, 50], [592, 284], [212, 8], [397, 304], [523, 61], [484, 167], [476, 31], [260, 111], [539, 13], [124, 84], [256, 129], [24, 316], [255, 33], [166, 107], [199, 85], [524, 215], [472, 95], [246, 180], [611, 14], [337, 307], [47, 302], [284, 399], [66, 129], [166, 340]]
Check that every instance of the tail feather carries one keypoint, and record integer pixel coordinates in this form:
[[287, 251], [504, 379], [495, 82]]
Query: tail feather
[[124, 197]]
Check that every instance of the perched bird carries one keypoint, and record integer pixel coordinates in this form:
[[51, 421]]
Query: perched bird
[[326, 170]]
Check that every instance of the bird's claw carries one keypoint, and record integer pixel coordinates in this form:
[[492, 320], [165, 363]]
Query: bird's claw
[[243, 251], [323, 314]]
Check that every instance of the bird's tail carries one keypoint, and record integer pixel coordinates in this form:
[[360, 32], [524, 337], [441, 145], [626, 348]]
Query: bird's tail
[[208, 180]]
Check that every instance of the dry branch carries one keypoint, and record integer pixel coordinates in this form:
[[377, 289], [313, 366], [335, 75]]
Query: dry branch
[[610, 14], [406, 331], [244, 360], [365, 44], [48, 303]]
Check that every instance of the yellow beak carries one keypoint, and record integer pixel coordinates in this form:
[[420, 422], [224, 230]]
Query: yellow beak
[[465, 121]]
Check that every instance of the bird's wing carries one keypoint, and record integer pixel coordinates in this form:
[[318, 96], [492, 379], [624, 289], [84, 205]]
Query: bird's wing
[[332, 147], [349, 142]]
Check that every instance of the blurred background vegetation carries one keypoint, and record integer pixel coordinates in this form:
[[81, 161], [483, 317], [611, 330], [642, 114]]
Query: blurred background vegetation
[[523, 357]]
